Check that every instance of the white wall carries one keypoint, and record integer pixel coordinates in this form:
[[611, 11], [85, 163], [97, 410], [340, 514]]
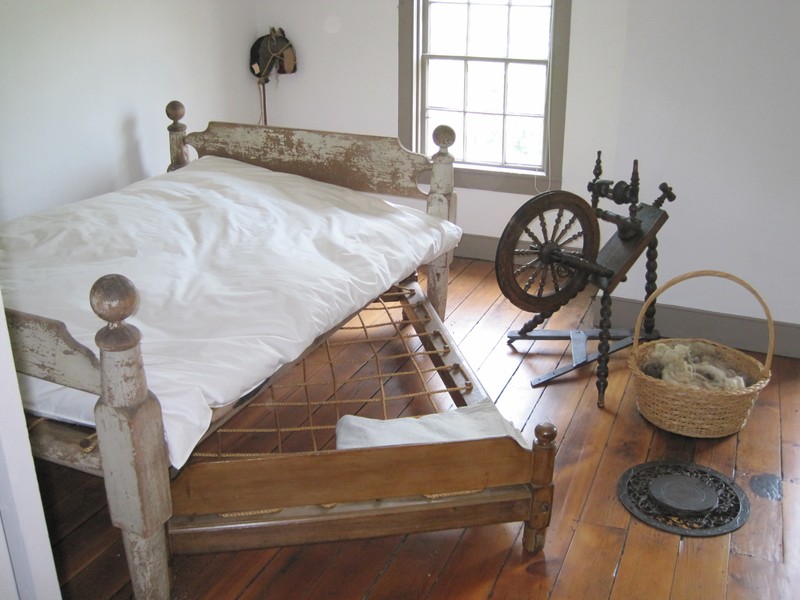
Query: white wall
[[700, 91], [85, 85], [347, 65]]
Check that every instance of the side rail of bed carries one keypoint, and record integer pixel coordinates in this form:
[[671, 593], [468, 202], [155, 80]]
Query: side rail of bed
[[133, 455], [366, 163]]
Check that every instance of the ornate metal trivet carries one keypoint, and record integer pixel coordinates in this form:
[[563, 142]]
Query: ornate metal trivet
[[683, 498]]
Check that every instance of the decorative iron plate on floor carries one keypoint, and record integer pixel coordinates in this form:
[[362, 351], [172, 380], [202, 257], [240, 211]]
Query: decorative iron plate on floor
[[683, 498]]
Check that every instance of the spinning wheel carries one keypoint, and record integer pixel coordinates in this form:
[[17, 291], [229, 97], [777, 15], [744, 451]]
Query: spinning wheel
[[550, 250], [547, 252]]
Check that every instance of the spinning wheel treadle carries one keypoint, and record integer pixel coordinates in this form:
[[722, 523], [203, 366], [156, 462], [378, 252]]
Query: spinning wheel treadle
[[550, 250]]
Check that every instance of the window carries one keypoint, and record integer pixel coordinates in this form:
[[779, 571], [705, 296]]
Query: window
[[494, 71]]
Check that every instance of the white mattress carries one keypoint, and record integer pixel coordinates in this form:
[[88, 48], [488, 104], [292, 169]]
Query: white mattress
[[239, 269]]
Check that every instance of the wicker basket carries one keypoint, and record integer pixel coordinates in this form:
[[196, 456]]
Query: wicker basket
[[690, 411]]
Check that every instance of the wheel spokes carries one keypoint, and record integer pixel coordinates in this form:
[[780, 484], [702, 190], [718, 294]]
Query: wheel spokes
[[535, 270], [544, 254]]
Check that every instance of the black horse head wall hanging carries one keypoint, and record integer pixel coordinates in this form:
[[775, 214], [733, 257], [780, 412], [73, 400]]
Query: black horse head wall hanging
[[271, 52]]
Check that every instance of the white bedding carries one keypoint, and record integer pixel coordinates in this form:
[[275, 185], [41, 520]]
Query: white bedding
[[473, 422], [239, 269]]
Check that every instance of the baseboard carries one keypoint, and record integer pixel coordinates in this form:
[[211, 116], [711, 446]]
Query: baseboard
[[478, 247], [744, 333]]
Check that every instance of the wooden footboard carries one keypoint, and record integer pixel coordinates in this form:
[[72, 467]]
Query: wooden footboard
[[364, 493]]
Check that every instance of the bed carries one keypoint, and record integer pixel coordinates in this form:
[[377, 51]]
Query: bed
[[309, 243]]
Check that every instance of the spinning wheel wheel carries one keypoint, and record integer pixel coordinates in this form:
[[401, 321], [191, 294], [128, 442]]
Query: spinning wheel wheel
[[547, 252]]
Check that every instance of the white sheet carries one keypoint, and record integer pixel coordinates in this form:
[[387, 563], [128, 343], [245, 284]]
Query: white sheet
[[474, 422], [239, 269]]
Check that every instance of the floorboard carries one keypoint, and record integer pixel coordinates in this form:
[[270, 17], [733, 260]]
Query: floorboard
[[594, 547]]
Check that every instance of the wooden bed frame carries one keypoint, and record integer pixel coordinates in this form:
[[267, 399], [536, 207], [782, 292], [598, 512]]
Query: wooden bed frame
[[284, 498]]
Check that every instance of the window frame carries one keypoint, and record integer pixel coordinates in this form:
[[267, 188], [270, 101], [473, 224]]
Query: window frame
[[503, 179]]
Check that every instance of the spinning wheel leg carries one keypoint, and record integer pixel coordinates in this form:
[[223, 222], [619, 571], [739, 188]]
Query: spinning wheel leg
[[603, 348], [530, 326], [650, 285]]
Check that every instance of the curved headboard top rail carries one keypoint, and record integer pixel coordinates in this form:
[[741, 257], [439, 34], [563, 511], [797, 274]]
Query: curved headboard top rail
[[367, 163]]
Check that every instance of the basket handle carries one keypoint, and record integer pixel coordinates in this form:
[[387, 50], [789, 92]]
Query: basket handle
[[708, 273]]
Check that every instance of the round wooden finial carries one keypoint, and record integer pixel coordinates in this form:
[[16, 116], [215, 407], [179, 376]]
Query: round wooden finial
[[175, 110], [545, 433], [114, 298], [444, 136]]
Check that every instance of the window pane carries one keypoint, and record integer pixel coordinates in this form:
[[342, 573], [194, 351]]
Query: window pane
[[445, 84], [524, 141], [433, 119], [529, 33], [483, 138], [488, 26], [447, 29], [527, 89], [485, 86]]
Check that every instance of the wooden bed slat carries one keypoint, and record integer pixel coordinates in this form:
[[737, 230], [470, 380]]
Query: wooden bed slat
[[65, 445], [348, 476], [349, 522], [43, 348]]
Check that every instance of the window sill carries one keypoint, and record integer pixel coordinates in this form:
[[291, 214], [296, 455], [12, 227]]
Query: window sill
[[509, 181]]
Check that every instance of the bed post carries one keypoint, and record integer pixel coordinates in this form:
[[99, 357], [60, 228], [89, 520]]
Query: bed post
[[178, 155], [441, 203], [131, 439], [542, 464]]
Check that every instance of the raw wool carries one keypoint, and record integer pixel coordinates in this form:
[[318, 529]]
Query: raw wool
[[695, 364]]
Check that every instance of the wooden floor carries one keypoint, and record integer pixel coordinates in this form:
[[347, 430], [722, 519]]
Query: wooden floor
[[594, 548]]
